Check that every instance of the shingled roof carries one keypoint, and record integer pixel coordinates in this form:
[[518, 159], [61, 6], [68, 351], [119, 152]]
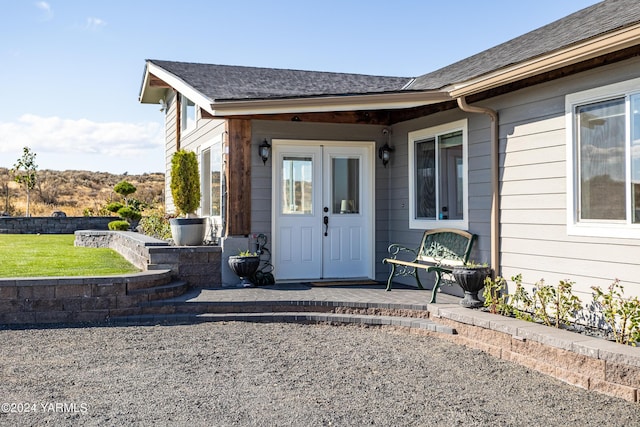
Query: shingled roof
[[225, 82], [220, 83]]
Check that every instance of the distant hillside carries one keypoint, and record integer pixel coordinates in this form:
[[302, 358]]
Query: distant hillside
[[74, 192]]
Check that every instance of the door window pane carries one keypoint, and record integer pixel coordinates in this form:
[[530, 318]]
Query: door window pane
[[297, 185], [345, 195], [601, 139]]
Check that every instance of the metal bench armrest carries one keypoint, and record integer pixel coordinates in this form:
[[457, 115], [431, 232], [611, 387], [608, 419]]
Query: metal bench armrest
[[395, 250]]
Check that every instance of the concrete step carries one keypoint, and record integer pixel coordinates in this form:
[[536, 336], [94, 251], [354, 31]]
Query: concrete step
[[296, 317], [186, 306], [149, 279], [171, 290]]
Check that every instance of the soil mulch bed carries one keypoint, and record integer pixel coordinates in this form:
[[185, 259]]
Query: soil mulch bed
[[244, 374]]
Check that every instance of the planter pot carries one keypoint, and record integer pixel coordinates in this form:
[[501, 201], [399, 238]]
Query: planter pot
[[188, 231], [471, 280], [244, 267]]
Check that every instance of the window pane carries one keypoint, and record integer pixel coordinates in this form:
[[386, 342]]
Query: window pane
[[345, 197], [216, 180], [188, 113], [450, 174], [206, 182], [635, 158], [425, 184], [297, 186], [602, 160]]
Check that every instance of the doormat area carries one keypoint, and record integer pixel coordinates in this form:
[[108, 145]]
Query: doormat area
[[346, 283]]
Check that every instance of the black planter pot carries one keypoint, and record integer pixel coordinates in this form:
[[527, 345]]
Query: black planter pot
[[471, 280], [244, 267]]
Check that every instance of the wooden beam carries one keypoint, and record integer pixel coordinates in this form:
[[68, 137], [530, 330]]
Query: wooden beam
[[238, 177], [155, 81]]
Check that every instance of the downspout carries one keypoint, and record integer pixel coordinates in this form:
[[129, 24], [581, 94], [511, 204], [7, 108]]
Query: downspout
[[495, 179]]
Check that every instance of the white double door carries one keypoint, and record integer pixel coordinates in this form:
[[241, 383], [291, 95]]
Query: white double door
[[322, 210]]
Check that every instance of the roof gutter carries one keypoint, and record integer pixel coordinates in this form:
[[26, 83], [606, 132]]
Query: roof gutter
[[588, 49], [495, 185], [316, 104]]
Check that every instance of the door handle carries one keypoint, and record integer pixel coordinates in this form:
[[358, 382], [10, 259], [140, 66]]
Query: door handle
[[326, 225]]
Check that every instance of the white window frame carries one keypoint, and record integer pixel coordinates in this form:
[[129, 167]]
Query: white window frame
[[185, 125], [614, 229], [433, 132], [204, 175]]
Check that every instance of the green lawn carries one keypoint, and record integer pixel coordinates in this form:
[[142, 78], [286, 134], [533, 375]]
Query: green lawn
[[31, 255]]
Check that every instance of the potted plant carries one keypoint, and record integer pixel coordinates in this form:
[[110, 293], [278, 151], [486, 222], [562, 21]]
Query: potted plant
[[245, 265], [185, 189], [470, 276]]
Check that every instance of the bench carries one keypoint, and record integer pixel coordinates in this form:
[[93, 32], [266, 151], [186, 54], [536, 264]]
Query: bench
[[440, 251]]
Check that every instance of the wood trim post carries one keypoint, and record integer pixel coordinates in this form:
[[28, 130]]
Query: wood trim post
[[238, 177]]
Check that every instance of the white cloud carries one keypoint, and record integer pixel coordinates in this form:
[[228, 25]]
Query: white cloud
[[86, 144], [95, 24], [46, 9]]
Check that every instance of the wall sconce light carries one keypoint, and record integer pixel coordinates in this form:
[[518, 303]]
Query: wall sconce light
[[384, 152], [264, 150]]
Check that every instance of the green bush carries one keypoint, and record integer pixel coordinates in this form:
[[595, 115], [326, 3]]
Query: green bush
[[129, 214], [114, 207], [622, 314], [185, 181], [156, 226], [119, 225], [124, 188]]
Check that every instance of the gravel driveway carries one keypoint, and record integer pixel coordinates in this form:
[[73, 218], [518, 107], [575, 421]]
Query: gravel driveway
[[243, 374]]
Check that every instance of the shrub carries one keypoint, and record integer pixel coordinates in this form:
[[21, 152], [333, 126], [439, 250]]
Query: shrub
[[114, 207], [119, 225], [495, 296], [185, 181], [156, 226], [621, 314], [553, 306], [129, 214], [124, 188]]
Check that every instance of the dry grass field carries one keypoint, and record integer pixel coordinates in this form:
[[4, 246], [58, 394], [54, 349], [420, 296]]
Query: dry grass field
[[76, 192]]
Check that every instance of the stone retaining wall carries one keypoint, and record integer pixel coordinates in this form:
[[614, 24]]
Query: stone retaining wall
[[587, 362], [53, 225], [75, 299], [200, 266]]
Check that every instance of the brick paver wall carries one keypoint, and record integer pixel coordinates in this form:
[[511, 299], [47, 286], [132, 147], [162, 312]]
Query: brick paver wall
[[52, 225]]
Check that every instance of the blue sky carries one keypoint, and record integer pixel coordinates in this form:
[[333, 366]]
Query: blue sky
[[71, 70]]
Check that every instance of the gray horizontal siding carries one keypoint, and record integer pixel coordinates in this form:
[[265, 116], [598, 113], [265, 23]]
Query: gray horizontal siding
[[534, 240]]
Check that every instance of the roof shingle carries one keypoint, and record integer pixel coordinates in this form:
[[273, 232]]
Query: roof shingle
[[225, 82]]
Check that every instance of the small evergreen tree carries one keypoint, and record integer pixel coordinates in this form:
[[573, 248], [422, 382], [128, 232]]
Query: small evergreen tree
[[24, 172], [124, 188], [185, 182], [124, 211]]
